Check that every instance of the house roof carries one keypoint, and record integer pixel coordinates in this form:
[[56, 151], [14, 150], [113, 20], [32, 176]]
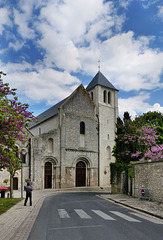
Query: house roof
[[101, 80], [47, 114]]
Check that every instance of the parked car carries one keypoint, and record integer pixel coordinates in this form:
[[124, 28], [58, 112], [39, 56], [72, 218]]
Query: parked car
[[3, 188]]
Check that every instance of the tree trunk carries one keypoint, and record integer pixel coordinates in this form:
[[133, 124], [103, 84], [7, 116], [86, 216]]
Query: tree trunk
[[11, 185], [130, 186]]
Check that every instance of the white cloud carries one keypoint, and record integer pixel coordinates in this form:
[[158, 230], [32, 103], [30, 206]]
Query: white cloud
[[147, 3], [160, 12], [155, 107], [129, 62], [67, 27], [21, 20], [64, 27], [73, 35], [4, 19], [137, 105], [125, 3], [60, 51], [40, 83], [144, 3], [17, 45], [74, 18]]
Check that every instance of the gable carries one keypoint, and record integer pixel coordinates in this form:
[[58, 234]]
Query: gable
[[79, 102]]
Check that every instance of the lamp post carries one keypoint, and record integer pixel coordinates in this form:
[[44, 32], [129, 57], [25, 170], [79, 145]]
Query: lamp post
[[23, 152]]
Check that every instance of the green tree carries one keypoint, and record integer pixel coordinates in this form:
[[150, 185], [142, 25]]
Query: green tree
[[125, 134], [14, 117]]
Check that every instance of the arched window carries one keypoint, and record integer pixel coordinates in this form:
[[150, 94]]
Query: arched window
[[92, 96], [104, 96], [50, 145], [23, 158], [109, 97], [82, 128], [108, 151]]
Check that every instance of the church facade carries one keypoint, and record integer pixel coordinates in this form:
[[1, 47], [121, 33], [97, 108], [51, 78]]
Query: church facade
[[71, 144]]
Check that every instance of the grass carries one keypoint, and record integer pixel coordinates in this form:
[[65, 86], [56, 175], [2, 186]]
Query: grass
[[6, 203]]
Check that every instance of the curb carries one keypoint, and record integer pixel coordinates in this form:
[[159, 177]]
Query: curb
[[132, 207]]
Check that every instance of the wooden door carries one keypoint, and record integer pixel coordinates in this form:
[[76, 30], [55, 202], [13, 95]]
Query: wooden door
[[15, 183], [48, 175], [80, 174]]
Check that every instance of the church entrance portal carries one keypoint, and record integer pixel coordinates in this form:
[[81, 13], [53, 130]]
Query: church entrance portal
[[80, 174], [48, 175], [15, 183]]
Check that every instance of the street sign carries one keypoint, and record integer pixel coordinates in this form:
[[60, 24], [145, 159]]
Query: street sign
[[144, 194]]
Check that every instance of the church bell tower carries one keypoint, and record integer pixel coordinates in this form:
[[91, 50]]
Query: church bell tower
[[105, 97]]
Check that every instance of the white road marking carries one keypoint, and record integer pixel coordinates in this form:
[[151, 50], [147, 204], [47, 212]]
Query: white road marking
[[147, 218], [103, 215], [82, 214], [63, 214], [130, 219], [74, 227]]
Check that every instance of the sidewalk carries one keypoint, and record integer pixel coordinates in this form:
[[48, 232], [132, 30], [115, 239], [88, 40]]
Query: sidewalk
[[17, 222], [152, 208]]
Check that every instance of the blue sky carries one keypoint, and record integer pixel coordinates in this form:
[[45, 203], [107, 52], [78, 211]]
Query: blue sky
[[49, 47]]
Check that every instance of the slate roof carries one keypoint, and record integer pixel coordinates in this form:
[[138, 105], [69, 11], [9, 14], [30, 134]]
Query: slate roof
[[47, 114], [101, 80]]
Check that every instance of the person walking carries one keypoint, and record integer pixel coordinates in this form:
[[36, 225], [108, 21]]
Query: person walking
[[28, 189]]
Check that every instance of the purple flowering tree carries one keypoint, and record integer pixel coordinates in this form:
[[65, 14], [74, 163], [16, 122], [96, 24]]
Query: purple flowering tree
[[14, 117], [134, 143], [147, 147]]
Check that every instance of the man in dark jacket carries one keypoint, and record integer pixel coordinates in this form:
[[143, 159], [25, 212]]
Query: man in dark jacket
[[28, 189]]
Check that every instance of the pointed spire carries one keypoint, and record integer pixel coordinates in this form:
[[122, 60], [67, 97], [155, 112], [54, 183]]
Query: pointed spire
[[101, 80]]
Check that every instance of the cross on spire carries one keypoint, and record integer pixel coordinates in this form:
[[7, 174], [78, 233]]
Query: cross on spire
[[98, 65]]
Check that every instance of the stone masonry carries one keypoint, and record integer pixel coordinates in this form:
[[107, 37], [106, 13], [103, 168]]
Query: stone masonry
[[149, 174]]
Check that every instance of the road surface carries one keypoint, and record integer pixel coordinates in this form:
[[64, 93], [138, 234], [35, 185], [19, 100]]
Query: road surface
[[84, 216]]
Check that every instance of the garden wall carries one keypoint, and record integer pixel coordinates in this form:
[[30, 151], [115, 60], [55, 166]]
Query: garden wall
[[149, 174]]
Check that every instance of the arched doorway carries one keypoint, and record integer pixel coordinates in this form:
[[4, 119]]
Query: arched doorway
[[15, 183], [80, 174], [48, 175]]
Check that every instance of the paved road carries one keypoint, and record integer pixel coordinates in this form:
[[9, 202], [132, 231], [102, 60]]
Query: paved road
[[83, 216]]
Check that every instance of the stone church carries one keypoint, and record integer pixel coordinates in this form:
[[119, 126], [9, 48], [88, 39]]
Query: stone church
[[71, 144]]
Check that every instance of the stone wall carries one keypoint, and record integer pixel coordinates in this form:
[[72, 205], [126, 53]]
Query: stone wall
[[149, 174], [77, 147]]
